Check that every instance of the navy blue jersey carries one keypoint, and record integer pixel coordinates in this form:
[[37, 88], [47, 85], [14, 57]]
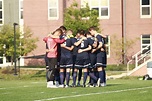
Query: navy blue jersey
[[65, 52], [100, 39], [84, 44], [75, 49], [91, 40]]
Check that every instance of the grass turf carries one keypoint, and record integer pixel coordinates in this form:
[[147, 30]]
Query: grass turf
[[129, 89]]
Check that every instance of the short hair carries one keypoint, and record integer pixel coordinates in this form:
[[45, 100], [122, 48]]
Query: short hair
[[59, 30], [87, 33], [63, 28], [92, 28], [70, 30], [82, 32]]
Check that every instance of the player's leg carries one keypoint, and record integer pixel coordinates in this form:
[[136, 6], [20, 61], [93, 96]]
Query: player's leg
[[51, 71], [47, 66], [85, 75], [79, 77], [67, 77], [100, 67], [62, 76], [74, 77], [92, 77]]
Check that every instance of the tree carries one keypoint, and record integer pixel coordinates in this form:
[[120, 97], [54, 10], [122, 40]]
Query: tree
[[24, 41], [118, 46], [77, 18]]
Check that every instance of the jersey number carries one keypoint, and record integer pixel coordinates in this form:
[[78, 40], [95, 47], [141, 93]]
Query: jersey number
[[82, 44]]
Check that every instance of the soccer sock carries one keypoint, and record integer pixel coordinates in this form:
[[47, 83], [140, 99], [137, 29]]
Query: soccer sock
[[92, 76], [101, 76], [67, 78], [64, 76], [74, 78], [85, 77], [80, 75], [61, 77], [104, 73]]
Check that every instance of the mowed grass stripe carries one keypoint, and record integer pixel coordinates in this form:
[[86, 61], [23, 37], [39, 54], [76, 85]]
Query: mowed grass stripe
[[37, 91], [107, 92]]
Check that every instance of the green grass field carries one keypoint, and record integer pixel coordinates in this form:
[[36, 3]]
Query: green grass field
[[128, 89]]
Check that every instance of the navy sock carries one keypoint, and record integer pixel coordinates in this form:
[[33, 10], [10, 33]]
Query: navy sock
[[101, 76], [67, 78], [92, 76], [74, 78], [104, 73], [80, 75], [61, 77], [85, 77]]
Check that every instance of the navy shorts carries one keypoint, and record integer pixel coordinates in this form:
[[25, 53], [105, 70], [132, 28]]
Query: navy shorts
[[83, 63], [101, 59], [66, 62], [105, 59]]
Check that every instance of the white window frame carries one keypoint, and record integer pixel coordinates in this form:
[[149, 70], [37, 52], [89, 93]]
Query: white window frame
[[53, 18], [108, 45], [100, 7], [2, 13], [141, 6], [21, 21]]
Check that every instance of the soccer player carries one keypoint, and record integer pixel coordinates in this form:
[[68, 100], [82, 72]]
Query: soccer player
[[82, 59], [101, 64], [75, 50], [92, 55], [52, 56], [66, 62]]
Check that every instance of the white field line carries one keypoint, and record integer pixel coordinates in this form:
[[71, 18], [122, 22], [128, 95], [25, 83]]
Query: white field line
[[23, 86], [108, 92]]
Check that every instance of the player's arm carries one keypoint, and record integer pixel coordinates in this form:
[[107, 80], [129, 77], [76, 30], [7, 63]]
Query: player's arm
[[95, 44], [103, 49], [84, 50], [78, 43], [104, 36], [99, 47], [57, 40], [53, 36], [68, 48]]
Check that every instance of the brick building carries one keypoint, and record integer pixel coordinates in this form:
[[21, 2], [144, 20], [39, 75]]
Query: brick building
[[130, 19]]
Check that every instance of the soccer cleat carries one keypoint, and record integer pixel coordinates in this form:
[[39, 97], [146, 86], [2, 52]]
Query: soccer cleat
[[83, 85], [66, 86], [61, 86], [57, 83], [72, 85], [51, 85], [103, 84]]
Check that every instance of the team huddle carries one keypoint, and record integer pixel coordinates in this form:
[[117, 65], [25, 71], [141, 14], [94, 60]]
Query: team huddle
[[65, 53]]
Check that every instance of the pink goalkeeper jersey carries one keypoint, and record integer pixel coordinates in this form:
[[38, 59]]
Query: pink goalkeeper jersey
[[52, 45]]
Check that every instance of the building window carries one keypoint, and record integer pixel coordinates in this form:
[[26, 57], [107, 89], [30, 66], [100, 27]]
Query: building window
[[145, 8], [53, 9], [21, 20], [21, 9], [102, 6], [107, 42], [145, 43], [1, 12]]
